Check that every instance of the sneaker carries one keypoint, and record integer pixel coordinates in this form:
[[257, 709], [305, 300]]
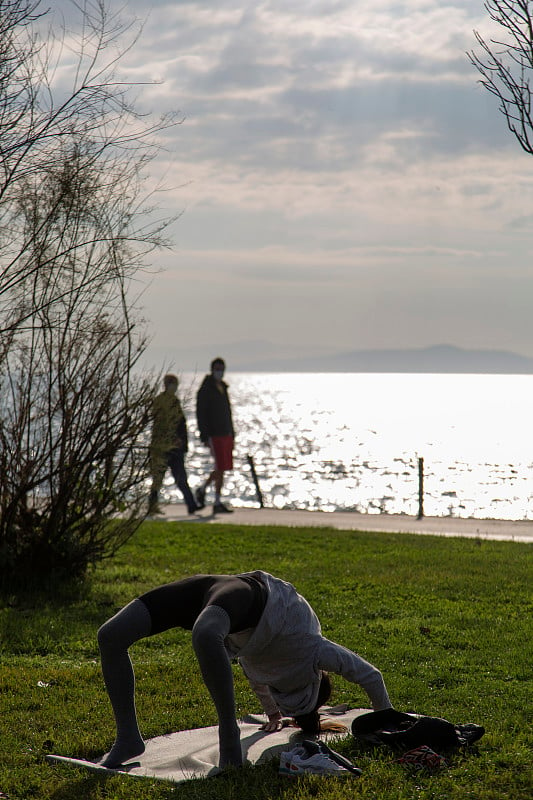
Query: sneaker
[[220, 508], [298, 762], [199, 496], [315, 747], [469, 733], [285, 759]]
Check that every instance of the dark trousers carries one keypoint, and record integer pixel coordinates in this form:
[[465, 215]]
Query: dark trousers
[[175, 460]]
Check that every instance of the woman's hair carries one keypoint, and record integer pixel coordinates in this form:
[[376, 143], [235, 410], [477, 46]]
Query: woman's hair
[[310, 723]]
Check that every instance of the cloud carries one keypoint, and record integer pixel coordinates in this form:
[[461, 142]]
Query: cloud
[[338, 155], [270, 87]]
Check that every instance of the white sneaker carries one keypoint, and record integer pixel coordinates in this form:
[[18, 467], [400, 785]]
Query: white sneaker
[[312, 747], [299, 762], [285, 759]]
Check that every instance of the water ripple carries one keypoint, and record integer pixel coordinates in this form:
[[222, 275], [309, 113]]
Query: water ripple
[[352, 442]]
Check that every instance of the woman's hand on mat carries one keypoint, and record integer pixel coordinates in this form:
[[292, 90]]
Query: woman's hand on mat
[[275, 723]]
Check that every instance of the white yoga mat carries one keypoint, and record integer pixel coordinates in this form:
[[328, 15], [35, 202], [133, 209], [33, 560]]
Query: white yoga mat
[[190, 754]]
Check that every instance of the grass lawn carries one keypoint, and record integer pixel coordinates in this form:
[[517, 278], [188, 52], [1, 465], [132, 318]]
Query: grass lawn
[[448, 622]]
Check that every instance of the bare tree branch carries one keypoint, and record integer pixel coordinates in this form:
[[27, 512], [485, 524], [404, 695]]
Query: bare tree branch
[[75, 229], [506, 65]]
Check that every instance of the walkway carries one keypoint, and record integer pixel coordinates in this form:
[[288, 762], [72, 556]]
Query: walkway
[[502, 530]]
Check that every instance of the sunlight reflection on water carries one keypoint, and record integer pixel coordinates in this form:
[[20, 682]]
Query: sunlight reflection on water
[[352, 442]]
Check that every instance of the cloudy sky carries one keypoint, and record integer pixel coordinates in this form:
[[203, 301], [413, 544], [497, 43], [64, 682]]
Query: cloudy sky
[[345, 181]]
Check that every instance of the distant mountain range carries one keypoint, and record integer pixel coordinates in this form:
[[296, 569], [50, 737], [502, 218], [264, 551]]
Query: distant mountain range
[[260, 356], [439, 358]]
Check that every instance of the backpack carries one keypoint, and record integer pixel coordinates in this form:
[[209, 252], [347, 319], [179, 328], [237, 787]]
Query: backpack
[[402, 731]]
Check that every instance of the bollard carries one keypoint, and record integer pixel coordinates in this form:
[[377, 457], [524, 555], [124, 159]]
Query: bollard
[[420, 488], [256, 482]]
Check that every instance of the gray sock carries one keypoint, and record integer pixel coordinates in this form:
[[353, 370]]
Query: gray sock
[[115, 636], [208, 634]]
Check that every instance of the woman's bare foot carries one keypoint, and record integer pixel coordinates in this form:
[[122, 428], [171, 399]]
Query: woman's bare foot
[[122, 752]]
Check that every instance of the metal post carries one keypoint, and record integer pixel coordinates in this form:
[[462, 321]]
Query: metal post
[[256, 482], [420, 488]]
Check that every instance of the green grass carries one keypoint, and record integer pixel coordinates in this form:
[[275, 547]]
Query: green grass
[[448, 622]]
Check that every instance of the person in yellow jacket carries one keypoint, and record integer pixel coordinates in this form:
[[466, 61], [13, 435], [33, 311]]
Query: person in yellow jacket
[[168, 445]]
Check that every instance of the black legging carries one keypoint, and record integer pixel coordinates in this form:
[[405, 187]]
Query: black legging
[[212, 606], [178, 604]]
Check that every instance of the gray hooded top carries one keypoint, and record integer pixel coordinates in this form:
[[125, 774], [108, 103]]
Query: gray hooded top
[[283, 656]]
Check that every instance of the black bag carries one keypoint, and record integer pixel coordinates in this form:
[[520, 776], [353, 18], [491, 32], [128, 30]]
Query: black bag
[[404, 732]]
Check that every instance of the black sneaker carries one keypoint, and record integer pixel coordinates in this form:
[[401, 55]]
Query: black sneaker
[[220, 508], [199, 496], [469, 733]]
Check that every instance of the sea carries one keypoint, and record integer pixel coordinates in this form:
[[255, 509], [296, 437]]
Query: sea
[[363, 442]]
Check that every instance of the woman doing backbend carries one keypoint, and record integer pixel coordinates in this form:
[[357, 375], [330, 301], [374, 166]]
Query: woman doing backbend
[[254, 617]]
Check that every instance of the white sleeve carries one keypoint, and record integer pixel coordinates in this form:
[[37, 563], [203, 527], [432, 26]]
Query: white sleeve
[[335, 658]]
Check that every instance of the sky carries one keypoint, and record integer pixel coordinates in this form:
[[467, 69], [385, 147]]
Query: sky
[[342, 180]]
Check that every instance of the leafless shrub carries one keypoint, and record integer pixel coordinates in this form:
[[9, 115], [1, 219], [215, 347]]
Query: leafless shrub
[[74, 233]]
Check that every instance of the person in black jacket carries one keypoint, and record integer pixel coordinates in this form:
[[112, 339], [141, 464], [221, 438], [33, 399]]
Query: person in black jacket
[[168, 445], [215, 425]]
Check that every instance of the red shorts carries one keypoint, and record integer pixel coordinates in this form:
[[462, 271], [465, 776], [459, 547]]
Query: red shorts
[[222, 451]]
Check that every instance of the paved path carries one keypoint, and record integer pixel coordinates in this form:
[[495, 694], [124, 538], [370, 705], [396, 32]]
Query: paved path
[[503, 530]]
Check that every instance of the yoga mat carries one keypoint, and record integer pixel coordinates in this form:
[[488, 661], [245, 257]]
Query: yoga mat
[[193, 753]]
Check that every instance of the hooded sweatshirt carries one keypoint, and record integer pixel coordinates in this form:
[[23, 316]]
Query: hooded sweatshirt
[[284, 655]]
